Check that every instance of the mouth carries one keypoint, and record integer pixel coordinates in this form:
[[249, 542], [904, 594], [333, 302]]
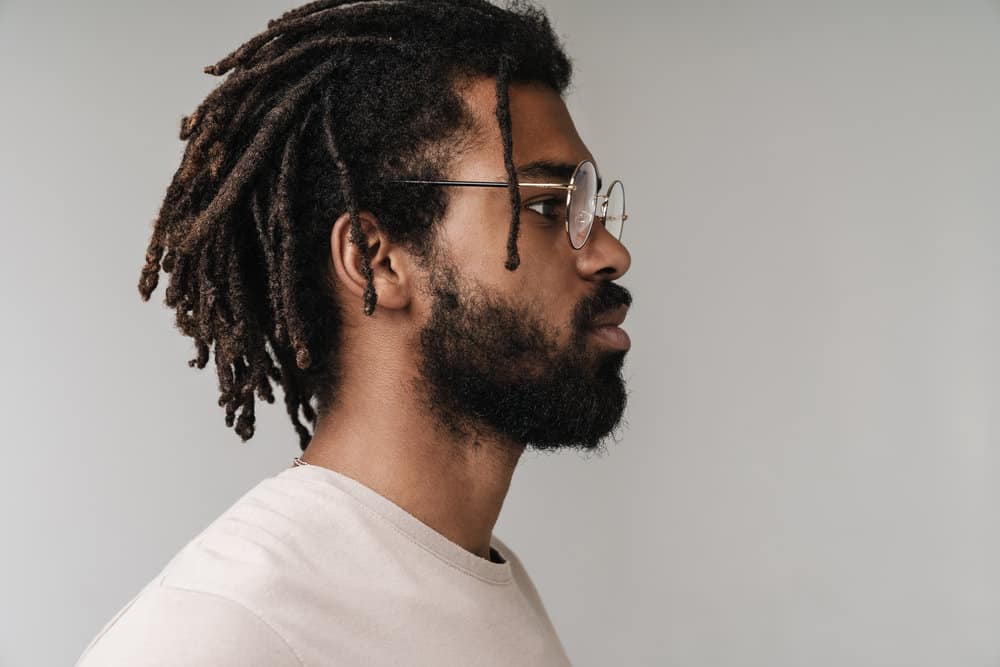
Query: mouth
[[605, 328], [614, 336]]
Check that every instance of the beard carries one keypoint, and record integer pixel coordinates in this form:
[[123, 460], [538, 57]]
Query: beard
[[491, 367]]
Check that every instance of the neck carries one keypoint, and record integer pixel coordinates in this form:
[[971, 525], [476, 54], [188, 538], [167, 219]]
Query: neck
[[455, 486]]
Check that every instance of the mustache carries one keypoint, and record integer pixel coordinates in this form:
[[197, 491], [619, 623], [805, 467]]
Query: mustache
[[608, 297]]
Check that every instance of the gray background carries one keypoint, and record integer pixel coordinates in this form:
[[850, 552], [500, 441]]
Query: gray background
[[810, 473]]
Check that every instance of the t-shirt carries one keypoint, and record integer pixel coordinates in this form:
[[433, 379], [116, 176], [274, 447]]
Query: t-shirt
[[311, 567]]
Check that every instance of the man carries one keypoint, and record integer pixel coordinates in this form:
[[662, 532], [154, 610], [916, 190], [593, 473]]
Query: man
[[387, 210]]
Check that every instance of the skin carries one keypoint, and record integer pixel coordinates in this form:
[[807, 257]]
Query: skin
[[379, 430]]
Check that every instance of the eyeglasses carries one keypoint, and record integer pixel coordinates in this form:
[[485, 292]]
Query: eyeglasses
[[582, 201]]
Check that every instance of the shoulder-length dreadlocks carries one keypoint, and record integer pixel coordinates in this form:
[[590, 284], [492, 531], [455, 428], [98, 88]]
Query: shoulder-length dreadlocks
[[321, 110]]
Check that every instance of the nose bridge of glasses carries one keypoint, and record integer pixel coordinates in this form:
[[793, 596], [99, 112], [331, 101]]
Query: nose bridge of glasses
[[600, 204]]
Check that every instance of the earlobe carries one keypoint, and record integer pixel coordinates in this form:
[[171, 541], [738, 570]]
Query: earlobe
[[389, 273]]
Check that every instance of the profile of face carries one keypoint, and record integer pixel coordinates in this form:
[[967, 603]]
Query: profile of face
[[516, 352]]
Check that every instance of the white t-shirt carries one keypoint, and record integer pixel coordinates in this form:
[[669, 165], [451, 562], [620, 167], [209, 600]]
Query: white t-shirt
[[311, 567]]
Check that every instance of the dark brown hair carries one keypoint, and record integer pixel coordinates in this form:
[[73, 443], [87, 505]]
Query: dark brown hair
[[320, 111]]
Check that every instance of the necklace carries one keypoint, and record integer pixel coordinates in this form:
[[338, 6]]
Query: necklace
[[299, 462]]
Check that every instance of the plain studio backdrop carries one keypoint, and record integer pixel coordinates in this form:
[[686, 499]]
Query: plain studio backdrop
[[809, 474]]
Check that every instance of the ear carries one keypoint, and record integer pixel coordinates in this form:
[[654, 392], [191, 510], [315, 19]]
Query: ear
[[390, 264]]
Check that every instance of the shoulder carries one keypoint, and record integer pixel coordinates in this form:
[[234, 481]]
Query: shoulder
[[215, 601], [169, 626], [260, 553]]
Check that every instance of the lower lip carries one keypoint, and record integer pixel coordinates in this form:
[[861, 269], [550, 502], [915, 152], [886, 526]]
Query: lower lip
[[613, 336]]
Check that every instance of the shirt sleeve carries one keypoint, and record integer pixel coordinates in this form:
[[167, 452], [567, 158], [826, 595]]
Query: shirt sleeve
[[166, 626]]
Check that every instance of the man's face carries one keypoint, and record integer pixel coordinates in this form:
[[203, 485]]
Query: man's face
[[514, 352]]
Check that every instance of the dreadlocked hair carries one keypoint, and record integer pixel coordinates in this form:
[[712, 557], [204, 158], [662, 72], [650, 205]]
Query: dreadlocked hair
[[320, 112]]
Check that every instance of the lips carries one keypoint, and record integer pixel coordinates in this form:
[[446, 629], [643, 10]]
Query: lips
[[610, 318]]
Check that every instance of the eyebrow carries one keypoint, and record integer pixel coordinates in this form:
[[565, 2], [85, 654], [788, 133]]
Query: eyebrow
[[550, 170]]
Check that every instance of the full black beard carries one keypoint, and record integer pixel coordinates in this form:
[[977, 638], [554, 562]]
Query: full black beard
[[490, 367]]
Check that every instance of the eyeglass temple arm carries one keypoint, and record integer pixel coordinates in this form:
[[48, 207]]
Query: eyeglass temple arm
[[492, 184]]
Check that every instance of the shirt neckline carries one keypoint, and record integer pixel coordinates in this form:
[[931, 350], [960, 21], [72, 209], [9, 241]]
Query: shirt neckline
[[419, 532]]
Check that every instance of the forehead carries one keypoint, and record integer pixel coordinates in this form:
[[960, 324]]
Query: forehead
[[542, 129]]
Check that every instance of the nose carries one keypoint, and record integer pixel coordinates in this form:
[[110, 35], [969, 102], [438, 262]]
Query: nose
[[603, 256]]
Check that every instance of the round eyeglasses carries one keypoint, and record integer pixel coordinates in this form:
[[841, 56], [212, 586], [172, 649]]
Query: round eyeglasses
[[583, 202]]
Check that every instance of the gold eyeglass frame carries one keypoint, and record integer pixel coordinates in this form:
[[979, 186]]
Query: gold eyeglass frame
[[569, 187]]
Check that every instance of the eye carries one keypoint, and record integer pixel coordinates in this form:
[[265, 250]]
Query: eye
[[552, 208]]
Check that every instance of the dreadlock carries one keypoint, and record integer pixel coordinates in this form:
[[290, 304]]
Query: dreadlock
[[322, 109]]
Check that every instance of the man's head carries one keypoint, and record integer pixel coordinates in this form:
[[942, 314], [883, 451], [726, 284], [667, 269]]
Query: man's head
[[286, 214], [513, 352]]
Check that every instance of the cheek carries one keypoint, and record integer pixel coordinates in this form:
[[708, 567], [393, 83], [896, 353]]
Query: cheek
[[475, 230], [546, 277], [546, 292], [475, 234], [547, 267]]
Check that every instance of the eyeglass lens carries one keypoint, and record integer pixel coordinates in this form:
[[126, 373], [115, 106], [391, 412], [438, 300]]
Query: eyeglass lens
[[614, 214], [582, 203]]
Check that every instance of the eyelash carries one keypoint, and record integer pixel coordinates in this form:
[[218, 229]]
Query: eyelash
[[554, 202]]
